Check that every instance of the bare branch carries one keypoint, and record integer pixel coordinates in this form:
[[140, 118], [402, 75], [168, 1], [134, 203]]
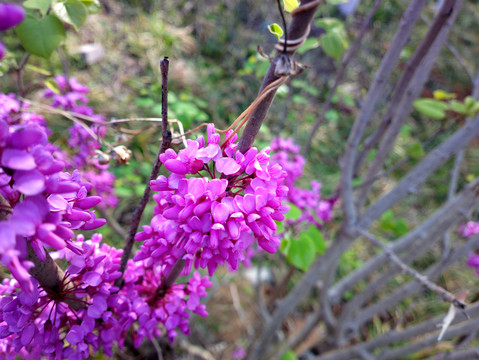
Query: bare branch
[[299, 29], [165, 143], [422, 279], [408, 89], [376, 92]]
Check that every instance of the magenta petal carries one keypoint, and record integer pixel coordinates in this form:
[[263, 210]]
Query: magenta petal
[[88, 202], [95, 224], [75, 335], [45, 234], [220, 212], [27, 137], [249, 203], [92, 278], [27, 334], [3, 50], [29, 182], [176, 166], [18, 159], [10, 15], [7, 234], [227, 166], [57, 202]]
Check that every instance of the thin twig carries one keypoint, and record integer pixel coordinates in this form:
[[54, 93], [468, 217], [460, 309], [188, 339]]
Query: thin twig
[[408, 89], [375, 93], [165, 143], [423, 280], [18, 70], [239, 309]]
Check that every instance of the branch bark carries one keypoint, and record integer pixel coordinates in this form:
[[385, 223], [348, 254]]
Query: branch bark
[[165, 144], [298, 29]]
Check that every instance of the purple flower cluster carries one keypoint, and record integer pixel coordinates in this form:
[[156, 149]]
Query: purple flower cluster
[[88, 312], [41, 204], [213, 219], [148, 307], [467, 230], [10, 16], [314, 210], [72, 322], [72, 97]]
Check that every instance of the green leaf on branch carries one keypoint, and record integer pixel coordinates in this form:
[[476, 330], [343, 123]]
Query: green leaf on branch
[[276, 30], [432, 108], [290, 5], [415, 150], [41, 5], [316, 238], [72, 12], [299, 253], [289, 355], [294, 212], [41, 37], [329, 24], [309, 44], [52, 85], [457, 107], [442, 95], [472, 106], [302, 251], [332, 44], [93, 6]]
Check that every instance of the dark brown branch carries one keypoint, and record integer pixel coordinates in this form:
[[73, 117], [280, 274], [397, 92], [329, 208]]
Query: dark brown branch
[[165, 143], [299, 28]]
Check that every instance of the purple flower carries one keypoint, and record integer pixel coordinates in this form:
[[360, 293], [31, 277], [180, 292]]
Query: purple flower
[[3, 50], [213, 219], [10, 15]]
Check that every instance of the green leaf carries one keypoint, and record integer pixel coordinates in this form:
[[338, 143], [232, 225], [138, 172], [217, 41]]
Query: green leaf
[[400, 228], [146, 102], [41, 37], [457, 107], [279, 227], [333, 44], [72, 12], [432, 108], [317, 239], [300, 252], [38, 70], [387, 221], [294, 212], [276, 30], [415, 150], [289, 355], [93, 6], [290, 5], [309, 44], [332, 115], [52, 85], [442, 95], [329, 24], [305, 86], [41, 5]]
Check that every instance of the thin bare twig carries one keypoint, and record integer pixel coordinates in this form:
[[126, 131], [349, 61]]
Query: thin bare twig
[[423, 280], [408, 89], [239, 309], [165, 143], [375, 93]]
